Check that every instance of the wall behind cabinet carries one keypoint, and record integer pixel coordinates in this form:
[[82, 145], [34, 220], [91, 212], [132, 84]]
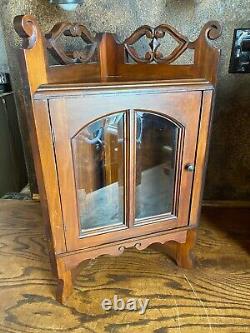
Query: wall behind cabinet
[[229, 163], [3, 55]]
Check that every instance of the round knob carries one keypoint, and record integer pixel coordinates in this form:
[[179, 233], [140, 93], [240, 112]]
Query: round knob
[[189, 167]]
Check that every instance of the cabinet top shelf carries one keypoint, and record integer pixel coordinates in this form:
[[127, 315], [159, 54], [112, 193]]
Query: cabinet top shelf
[[118, 85], [103, 61]]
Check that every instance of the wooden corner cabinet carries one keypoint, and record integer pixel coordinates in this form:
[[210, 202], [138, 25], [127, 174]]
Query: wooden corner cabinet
[[119, 138]]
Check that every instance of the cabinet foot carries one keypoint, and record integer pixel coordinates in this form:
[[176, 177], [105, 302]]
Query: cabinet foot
[[184, 255], [181, 253], [64, 283]]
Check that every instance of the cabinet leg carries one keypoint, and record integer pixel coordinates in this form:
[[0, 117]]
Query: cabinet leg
[[64, 283], [181, 253], [184, 256]]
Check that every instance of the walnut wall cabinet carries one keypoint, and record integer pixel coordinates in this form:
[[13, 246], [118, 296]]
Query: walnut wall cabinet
[[119, 139]]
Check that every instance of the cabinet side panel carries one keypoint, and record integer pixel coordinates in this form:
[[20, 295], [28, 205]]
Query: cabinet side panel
[[47, 177], [201, 157]]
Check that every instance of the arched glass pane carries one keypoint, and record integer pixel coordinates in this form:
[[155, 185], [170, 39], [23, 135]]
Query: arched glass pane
[[156, 149], [98, 153]]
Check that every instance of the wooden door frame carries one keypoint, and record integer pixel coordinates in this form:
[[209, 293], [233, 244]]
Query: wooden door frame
[[185, 110]]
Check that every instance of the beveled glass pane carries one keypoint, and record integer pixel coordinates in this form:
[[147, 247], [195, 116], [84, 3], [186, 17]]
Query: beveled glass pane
[[156, 149], [98, 153]]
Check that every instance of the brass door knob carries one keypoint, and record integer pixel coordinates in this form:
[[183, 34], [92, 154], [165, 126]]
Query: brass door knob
[[189, 167]]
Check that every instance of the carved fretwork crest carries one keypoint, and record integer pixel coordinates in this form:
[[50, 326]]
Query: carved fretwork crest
[[155, 35], [86, 55]]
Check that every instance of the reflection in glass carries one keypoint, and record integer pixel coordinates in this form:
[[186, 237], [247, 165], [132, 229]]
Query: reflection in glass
[[98, 153], [156, 149]]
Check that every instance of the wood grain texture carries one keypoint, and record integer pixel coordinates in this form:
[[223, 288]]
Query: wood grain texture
[[213, 297]]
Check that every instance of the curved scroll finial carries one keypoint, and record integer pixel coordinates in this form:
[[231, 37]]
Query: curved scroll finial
[[27, 28], [154, 34], [211, 30], [72, 30]]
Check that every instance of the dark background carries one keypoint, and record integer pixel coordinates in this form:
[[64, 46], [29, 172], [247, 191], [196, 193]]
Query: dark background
[[228, 174]]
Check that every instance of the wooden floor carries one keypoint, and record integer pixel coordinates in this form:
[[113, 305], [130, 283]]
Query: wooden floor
[[213, 297]]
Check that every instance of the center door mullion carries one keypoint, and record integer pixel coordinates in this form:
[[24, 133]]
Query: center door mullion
[[130, 167]]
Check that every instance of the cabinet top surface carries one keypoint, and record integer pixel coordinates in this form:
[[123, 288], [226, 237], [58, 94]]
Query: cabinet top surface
[[57, 90]]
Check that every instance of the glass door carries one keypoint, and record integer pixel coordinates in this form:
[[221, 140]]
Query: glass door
[[158, 141], [121, 161], [98, 152]]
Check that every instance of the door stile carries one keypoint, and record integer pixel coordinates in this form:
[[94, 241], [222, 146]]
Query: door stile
[[130, 167], [178, 165]]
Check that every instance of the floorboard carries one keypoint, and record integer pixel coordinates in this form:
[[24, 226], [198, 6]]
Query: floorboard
[[213, 297]]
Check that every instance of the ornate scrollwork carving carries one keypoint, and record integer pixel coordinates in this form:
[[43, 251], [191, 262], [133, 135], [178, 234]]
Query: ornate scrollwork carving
[[137, 245], [72, 30], [212, 30], [120, 249], [154, 34], [27, 28]]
